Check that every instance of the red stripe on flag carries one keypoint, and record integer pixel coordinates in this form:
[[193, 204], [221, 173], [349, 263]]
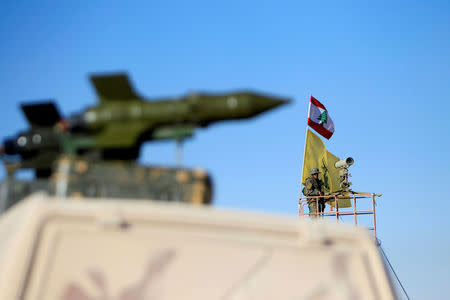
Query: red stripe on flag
[[320, 129], [317, 103]]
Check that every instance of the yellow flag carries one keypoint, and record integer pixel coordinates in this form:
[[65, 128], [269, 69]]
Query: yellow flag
[[316, 156]]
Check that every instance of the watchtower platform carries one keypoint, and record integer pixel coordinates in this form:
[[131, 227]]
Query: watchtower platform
[[362, 204]]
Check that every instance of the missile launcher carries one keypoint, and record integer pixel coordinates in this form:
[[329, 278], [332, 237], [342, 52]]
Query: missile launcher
[[108, 137]]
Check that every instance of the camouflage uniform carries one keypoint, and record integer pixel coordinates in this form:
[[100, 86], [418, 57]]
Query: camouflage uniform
[[313, 187]]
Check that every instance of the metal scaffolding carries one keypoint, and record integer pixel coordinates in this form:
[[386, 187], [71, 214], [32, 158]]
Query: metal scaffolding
[[333, 210]]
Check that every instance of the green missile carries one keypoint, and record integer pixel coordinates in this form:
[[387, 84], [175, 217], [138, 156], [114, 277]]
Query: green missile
[[124, 119]]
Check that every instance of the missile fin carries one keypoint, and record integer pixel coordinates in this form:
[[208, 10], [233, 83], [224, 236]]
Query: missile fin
[[114, 87], [42, 114]]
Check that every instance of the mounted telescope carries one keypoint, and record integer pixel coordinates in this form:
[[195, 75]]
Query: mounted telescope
[[344, 163]]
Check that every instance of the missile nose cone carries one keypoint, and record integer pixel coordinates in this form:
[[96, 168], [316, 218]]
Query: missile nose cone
[[281, 101], [267, 103]]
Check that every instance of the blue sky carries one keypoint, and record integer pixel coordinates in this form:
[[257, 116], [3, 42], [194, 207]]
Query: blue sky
[[382, 69]]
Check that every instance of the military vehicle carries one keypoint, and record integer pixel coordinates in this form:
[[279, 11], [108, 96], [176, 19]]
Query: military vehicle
[[94, 153], [59, 248]]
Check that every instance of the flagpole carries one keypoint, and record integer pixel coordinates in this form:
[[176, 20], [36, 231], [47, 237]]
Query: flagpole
[[304, 148]]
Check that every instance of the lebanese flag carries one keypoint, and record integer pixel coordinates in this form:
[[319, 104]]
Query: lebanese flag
[[319, 120]]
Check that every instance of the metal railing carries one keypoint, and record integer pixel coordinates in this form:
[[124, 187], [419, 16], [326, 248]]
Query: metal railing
[[333, 210]]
